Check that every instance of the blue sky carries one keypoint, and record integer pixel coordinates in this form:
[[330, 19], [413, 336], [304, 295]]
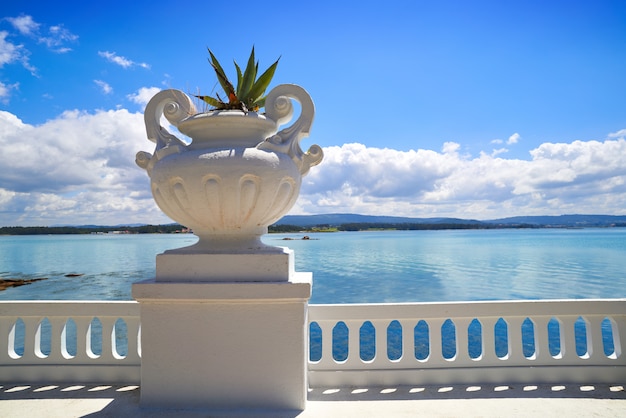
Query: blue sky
[[471, 109]]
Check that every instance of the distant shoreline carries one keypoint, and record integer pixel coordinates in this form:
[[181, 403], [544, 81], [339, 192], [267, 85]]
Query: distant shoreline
[[334, 222], [359, 226]]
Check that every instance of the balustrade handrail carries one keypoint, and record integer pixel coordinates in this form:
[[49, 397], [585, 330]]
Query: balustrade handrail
[[472, 309], [44, 308]]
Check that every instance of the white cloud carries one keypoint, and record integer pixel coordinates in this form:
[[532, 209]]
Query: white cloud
[[79, 168], [450, 147], [112, 57], [618, 134], [5, 91], [11, 53], [56, 38], [104, 86], [24, 24], [143, 95], [577, 177], [513, 139], [121, 61], [60, 34], [499, 151]]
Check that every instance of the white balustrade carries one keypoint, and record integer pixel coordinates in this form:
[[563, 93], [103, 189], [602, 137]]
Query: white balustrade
[[550, 341], [69, 341], [513, 344]]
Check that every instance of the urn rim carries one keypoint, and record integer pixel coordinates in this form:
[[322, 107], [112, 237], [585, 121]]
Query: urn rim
[[228, 126]]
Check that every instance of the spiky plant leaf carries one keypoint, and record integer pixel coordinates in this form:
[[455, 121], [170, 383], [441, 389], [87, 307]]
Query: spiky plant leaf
[[221, 75], [228, 87], [239, 78], [249, 76], [260, 103], [259, 87], [212, 101]]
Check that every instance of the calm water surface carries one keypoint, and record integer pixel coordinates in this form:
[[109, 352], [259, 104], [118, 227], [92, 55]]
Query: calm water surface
[[349, 267]]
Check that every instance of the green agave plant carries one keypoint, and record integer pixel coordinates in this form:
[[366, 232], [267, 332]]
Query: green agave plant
[[250, 92]]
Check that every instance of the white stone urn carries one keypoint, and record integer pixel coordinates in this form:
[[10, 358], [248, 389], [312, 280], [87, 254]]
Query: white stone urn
[[238, 175]]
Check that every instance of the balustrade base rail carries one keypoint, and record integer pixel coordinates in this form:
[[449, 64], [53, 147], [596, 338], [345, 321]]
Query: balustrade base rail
[[584, 375], [69, 373]]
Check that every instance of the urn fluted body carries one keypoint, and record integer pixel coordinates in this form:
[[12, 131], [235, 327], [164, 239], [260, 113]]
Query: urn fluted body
[[238, 175]]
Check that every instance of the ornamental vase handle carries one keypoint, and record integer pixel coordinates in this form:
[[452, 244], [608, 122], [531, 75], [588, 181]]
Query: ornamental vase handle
[[175, 106], [279, 108]]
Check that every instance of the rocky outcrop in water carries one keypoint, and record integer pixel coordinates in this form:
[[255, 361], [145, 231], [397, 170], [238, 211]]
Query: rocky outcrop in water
[[6, 283]]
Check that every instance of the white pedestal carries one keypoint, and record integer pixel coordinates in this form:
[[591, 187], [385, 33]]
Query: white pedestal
[[224, 346]]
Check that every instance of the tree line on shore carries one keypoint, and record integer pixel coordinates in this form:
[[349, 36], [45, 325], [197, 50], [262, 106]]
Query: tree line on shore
[[369, 226], [58, 230], [176, 228]]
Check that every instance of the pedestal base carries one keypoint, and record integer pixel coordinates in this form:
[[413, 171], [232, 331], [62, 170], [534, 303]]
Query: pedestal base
[[262, 267], [224, 346]]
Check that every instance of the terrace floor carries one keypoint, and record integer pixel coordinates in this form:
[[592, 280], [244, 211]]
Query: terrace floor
[[64, 400]]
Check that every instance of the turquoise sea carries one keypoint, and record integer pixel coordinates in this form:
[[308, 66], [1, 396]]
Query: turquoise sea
[[349, 267]]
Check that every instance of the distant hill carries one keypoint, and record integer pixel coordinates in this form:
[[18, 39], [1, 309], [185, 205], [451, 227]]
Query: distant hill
[[563, 221], [334, 219]]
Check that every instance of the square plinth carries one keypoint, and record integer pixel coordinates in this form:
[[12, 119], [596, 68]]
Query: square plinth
[[262, 267], [224, 346]]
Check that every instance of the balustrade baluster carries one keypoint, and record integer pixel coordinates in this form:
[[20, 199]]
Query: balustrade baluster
[[6, 325], [619, 335], [568, 337], [542, 340], [435, 343], [462, 341], [354, 357], [56, 336], [408, 342], [83, 339], [133, 338], [108, 338], [381, 357], [327, 342], [595, 344], [489, 341], [31, 326], [515, 343]]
